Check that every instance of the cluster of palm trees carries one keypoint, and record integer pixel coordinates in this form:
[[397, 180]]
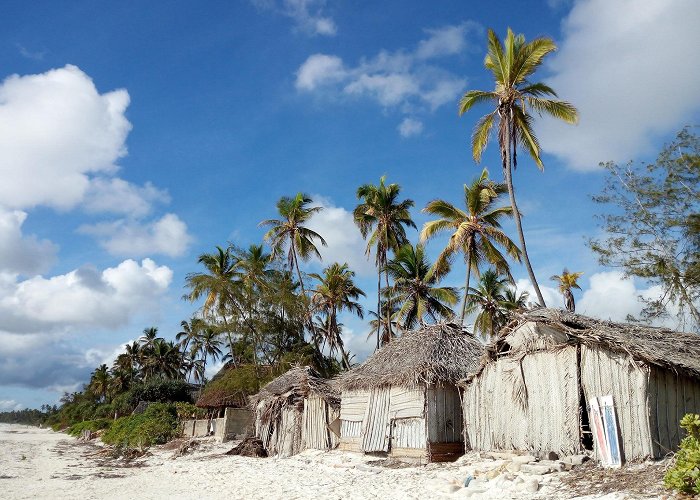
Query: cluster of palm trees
[[264, 303]]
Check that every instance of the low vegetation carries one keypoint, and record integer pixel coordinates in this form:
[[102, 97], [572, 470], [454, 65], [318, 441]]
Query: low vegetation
[[684, 476], [156, 425]]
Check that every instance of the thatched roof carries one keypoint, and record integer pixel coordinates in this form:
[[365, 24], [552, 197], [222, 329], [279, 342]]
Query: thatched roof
[[661, 347], [295, 385], [438, 354], [232, 386]]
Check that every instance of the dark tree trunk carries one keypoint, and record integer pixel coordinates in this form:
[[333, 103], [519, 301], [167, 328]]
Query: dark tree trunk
[[466, 288]]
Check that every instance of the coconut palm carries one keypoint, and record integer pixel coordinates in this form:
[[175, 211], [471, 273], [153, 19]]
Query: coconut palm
[[148, 338], [134, 352], [567, 281], [99, 382], [416, 289], [190, 330], [164, 359], [289, 232], [476, 231], [512, 63], [206, 346], [218, 286], [386, 218], [385, 322], [489, 298], [516, 301], [336, 292]]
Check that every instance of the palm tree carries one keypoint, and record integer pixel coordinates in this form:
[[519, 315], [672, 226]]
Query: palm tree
[[190, 330], [516, 301], [384, 322], [99, 382], [164, 360], [416, 288], [217, 285], [489, 298], [207, 345], [336, 292], [289, 232], [567, 281], [149, 336], [514, 96], [134, 352], [386, 218], [476, 231]]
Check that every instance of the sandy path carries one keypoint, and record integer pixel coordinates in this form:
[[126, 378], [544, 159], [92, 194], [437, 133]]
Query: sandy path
[[36, 463]]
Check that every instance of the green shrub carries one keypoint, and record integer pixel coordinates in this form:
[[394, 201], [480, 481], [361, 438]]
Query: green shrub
[[187, 411], [684, 476], [92, 425], [157, 425]]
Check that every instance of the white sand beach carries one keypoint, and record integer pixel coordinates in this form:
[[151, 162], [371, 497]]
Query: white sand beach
[[39, 463]]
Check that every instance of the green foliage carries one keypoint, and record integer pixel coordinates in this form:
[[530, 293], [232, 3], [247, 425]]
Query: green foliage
[[234, 385], [160, 391], [652, 225], [186, 411], [92, 425], [684, 476], [157, 425]]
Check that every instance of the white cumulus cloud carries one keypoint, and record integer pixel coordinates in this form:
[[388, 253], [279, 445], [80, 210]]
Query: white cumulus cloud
[[166, 236], [55, 130], [629, 68], [345, 243], [114, 195], [404, 80], [9, 405], [409, 127], [22, 254]]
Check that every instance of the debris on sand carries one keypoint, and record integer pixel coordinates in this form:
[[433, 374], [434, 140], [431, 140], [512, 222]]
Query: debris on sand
[[249, 447]]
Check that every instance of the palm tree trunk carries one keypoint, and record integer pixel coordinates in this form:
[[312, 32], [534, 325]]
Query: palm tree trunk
[[516, 213], [314, 335], [388, 305], [379, 306], [466, 289]]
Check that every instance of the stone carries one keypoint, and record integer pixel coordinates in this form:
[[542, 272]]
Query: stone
[[536, 469], [531, 485], [514, 467], [575, 459], [523, 459], [551, 456]]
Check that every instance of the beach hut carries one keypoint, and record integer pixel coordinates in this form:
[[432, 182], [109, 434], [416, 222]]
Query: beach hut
[[293, 413], [225, 397], [546, 370], [403, 401]]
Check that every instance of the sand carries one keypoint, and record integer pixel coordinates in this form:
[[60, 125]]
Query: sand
[[39, 463]]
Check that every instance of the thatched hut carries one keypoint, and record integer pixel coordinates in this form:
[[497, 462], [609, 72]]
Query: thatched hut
[[293, 412], [534, 389], [403, 400]]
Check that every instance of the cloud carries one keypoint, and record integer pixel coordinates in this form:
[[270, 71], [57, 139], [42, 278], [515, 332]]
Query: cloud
[[9, 405], [118, 196], [409, 127], [55, 130], [627, 66], [345, 243], [82, 298], [30, 54], [409, 81], [21, 254], [166, 236], [308, 15]]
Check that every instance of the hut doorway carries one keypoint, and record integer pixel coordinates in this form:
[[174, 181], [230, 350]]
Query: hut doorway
[[375, 435]]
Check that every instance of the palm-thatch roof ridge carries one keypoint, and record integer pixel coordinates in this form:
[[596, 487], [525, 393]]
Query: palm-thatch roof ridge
[[663, 347], [296, 384], [439, 354]]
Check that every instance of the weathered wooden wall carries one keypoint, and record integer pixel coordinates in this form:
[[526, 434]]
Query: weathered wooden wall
[[606, 373], [671, 396], [375, 424], [529, 404], [286, 434], [314, 432], [353, 405]]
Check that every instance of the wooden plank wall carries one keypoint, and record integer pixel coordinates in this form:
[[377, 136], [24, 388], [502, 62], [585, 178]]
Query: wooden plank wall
[[671, 396], [604, 372], [375, 428], [314, 433], [444, 415], [408, 433], [550, 421]]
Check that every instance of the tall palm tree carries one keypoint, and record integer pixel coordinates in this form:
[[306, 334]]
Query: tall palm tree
[[134, 352], [164, 360], [516, 301], [386, 218], [217, 285], [489, 298], [99, 382], [148, 338], [567, 281], [476, 231], [190, 330], [289, 232], [416, 288], [512, 63], [384, 322], [336, 292], [206, 345]]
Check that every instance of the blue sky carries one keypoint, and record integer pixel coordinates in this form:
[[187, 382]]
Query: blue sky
[[134, 137]]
